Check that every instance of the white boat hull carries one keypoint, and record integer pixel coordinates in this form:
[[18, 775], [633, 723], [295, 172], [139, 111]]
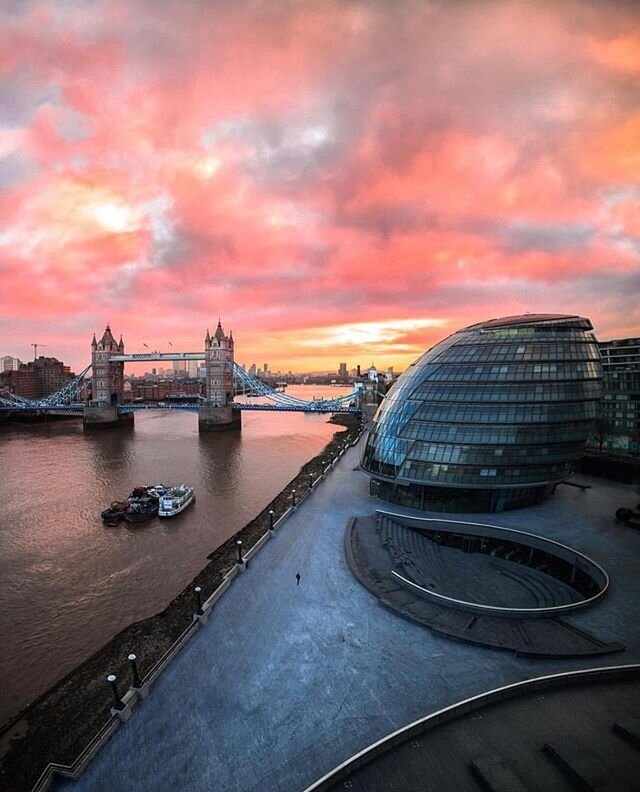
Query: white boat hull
[[171, 511]]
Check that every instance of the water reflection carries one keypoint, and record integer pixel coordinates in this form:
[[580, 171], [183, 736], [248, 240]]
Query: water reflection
[[67, 583], [220, 458]]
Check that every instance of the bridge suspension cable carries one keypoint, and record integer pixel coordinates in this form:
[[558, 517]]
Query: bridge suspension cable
[[69, 398], [66, 396], [259, 388]]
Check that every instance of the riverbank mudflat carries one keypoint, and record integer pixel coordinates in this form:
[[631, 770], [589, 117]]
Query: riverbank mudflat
[[59, 724]]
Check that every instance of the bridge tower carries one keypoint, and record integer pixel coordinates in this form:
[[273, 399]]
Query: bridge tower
[[217, 414], [369, 396], [107, 382]]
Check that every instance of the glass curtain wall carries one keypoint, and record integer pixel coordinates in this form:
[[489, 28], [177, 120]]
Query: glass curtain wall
[[491, 418]]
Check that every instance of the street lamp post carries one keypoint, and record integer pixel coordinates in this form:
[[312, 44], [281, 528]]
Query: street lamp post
[[239, 545], [293, 497], [198, 591], [118, 703], [310, 480], [137, 682], [271, 519]]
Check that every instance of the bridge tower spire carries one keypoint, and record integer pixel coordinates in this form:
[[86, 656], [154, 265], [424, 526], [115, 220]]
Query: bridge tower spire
[[108, 381], [217, 412]]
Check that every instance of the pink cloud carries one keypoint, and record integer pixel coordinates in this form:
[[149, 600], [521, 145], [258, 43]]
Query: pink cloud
[[293, 167]]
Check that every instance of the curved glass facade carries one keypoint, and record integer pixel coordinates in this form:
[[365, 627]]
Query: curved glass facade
[[489, 419]]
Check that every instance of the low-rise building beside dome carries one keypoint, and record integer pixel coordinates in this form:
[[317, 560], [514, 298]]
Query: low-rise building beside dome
[[489, 419]]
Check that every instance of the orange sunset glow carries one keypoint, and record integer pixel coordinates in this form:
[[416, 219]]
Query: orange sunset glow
[[338, 181]]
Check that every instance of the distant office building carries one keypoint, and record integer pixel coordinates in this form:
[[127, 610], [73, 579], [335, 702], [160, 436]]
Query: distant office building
[[179, 369], [10, 363], [265, 369], [491, 418], [22, 381], [192, 369], [145, 391], [389, 376], [342, 373], [619, 426], [38, 378], [253, 370], [51, 374]]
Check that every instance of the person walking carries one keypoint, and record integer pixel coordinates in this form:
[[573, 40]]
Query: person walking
[[297, 578]]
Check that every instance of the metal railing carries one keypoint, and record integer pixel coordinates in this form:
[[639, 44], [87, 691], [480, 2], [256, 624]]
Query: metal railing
[[547, 682]]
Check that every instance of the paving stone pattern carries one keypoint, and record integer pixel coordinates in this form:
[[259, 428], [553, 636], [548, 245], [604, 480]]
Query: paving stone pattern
[[552, 741], [287, 681]]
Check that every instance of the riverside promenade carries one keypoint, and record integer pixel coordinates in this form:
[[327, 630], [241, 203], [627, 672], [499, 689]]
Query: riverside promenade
[[286, 681]]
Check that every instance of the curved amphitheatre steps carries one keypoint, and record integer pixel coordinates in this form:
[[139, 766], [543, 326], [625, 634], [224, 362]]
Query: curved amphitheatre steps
[[378, 545], [423, 559]]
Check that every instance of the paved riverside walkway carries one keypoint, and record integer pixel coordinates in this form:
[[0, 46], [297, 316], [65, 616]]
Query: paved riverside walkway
[[286, 682]]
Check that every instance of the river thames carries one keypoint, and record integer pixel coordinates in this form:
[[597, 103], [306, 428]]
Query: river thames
[[67, 583]]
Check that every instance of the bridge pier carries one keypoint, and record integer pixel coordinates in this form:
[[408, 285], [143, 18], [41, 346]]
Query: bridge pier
[[218, 419], [99, 417]]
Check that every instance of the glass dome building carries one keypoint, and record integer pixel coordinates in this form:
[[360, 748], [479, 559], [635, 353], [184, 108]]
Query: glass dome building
[[491, 418]]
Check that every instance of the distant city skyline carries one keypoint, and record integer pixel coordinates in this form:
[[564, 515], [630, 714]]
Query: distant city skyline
[[335, 181]]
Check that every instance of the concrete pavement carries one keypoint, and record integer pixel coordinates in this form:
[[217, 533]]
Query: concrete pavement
[[287, 681]]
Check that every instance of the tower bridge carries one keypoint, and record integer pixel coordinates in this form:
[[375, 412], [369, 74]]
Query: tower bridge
[[99, 398]]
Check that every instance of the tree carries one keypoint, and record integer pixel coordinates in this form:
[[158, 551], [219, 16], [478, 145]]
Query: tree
[[601, 431]]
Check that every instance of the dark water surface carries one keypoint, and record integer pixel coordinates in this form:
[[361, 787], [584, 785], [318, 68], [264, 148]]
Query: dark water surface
[[67, 583]]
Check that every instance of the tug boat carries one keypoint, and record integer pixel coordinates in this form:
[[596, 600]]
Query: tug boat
[[115, 513], [140, 506], [141, 510], [175, 500]]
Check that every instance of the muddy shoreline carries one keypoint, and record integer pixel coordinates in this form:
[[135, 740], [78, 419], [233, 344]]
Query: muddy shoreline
[[59, 724]]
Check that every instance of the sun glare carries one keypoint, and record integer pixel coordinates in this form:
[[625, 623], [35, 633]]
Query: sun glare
[[114, 216], [206, 167], [368, 333]]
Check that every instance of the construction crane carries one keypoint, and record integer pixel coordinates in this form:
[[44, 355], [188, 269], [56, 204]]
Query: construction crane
[[35, 350]]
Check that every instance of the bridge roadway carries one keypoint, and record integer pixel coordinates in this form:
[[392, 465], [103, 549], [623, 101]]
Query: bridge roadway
[[78, 409], [287, 681], [147, 357], [315, 407]]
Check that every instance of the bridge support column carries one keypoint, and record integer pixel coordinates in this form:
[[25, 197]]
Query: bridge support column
[[96, 417], [218, 419]]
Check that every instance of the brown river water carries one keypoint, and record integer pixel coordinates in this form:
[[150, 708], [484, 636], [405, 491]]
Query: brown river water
[[67, 583]]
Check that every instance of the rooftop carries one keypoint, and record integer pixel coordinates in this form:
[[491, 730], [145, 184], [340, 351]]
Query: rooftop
[[526, 319], [590, 728]]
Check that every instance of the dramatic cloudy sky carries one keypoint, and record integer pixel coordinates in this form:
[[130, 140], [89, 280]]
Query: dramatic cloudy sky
[[339, 181]]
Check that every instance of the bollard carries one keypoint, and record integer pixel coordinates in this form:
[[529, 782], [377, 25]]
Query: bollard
[[137, 682], [198, 591], [112, 680]]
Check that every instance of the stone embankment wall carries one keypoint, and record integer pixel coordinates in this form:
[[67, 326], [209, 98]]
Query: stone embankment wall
[[63, 729]]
